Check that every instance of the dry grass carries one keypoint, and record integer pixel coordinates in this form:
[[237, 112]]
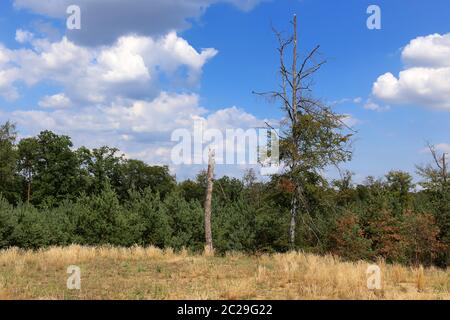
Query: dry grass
[[149, 273]]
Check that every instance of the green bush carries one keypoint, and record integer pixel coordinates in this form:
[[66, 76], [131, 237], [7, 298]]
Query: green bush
[[186, 221], [152, 217], [8, 223], [101, 219]]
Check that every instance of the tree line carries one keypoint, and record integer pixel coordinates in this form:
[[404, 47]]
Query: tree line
[[53, 194]]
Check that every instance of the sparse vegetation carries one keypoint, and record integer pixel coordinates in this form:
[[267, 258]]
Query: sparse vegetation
[[151, 273]]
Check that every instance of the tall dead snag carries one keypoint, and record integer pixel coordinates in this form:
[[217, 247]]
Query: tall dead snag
[[209, 249], [437, 177], [311, 134], [444, 168]]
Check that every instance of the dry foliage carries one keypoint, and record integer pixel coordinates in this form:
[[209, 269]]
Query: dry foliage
[[150, 273]]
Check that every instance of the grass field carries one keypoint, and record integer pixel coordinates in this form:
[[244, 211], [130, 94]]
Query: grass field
[[150, 273]]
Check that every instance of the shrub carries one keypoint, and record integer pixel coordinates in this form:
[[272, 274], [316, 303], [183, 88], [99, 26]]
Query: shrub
[[103, 220], [348, 239], [422, 234], [186, 221], [153, 217], [8, 224]]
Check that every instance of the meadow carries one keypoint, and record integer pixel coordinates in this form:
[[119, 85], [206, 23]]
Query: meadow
[[151, 273]]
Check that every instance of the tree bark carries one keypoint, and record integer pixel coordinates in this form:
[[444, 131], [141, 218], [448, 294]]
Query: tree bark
[[29, 192], [293, 225], [209, 249], [294, 73], [444, 169]]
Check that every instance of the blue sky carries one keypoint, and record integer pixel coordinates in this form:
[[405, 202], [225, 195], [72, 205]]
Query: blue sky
[[46, 85]]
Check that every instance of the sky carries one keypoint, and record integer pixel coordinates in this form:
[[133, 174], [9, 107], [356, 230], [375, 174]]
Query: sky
[[137, 70]]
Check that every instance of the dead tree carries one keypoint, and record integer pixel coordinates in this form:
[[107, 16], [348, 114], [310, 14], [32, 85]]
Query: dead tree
[[441, 164], [209, 249], [311, 136]]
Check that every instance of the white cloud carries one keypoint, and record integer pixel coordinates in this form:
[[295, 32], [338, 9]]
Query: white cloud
[[4, 55], [123, 63], [103, 22], [356, 100], [163, 114], [426, 79], [112, 93], [23, 36], [233, 118], [56, 101], [370, 105], [373, 106], [141, 129], [8, 75], [7, 90], [430, 51], [128, 68]]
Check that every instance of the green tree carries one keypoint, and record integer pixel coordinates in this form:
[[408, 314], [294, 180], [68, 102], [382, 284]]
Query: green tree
[[153, 217], [101, 219], [9, 180], [137, 175], [346, 193], [400, 185], [186, 221], [234, 226], [28, 159], [228, 189], [436, 182], [103, 165], [8, 224], [49, 164]]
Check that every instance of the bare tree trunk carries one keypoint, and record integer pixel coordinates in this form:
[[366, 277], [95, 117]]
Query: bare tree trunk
[[294, 73], [209, 249], [29, 192], [293, 225], [294, 123], [444, 169]]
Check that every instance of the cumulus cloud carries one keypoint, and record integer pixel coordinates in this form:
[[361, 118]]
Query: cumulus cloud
[[426, 79], [233, 118], [163, 114], [4, 55], [23, 36], [105, 21], [373, 106], [432, 51], [56, 101], [141, 129], [125, 80], [370, 105], [7, 76], [130, 67]]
